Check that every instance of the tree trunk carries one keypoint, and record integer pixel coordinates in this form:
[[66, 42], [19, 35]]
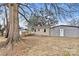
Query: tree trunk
[[13, 23], [7, 23], [16, 23]]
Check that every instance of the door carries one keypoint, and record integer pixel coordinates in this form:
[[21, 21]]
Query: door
[[61, 32]]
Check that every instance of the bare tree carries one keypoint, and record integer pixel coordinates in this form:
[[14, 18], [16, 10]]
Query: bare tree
[[13, 35], [7, 22]]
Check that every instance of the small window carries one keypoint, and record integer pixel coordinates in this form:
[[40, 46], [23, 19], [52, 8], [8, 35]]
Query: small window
[[38, 29], [32, 29], [44, 30], [35, 30]]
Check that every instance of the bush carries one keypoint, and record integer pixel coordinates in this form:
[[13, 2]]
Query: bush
[[30, 35], [66, 53]]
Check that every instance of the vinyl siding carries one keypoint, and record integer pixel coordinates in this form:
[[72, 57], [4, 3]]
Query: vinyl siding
[[68, 31]]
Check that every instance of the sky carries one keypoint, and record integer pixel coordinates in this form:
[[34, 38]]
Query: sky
[[39, 1], [38, 6], [75, 14]]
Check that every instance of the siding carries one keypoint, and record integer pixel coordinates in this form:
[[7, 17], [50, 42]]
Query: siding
[[41, 31], [55, 31], [68, 31]]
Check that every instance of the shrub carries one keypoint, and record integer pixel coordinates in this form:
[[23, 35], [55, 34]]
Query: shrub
[[66, 53]]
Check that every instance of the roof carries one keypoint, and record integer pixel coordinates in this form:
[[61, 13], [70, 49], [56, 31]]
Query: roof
[[41, 27], [55, 26], [65, 26]]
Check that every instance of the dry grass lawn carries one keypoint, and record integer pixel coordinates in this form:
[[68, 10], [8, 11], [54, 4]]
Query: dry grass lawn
[[44, 46]]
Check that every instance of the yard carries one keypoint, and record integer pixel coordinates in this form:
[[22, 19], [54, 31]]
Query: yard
[[44, 46]]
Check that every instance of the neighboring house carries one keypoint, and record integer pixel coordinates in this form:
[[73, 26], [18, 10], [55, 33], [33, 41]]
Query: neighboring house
[[59, 30], [22, 31], [38, 30]]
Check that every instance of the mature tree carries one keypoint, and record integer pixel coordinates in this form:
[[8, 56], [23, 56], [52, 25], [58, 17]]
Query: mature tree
[[42, 17], [7, 22], [13, 35], [13, 23]]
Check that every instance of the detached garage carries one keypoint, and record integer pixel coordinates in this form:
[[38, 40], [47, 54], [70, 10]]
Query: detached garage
[[65, 30]]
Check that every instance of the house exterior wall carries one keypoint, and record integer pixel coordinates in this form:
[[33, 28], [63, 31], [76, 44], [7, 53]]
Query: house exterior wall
[[68, 31], [55, 32], [40, 31]]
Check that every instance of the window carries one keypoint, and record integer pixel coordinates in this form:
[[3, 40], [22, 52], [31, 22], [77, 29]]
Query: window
[[35, 30], [32, 29], [44, 30], [38, 29]]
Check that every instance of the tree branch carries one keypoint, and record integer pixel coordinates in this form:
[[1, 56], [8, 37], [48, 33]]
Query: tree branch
[[26, 7], [23, 16]]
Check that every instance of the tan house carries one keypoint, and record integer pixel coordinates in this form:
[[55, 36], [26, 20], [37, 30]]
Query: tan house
[[41, 30]]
